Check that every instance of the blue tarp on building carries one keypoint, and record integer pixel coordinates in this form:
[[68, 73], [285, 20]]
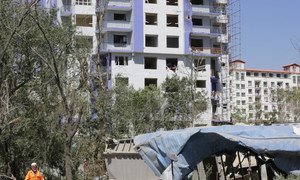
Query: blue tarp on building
[[187, 147]]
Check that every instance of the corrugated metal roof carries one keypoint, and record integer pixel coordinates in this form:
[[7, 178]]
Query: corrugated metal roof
[[123, 146]]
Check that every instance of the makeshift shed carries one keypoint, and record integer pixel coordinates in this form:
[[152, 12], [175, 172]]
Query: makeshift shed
[[124, 163], [176, 154]]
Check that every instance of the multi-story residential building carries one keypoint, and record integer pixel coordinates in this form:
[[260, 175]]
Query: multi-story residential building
[[149, 40], [253, 92]]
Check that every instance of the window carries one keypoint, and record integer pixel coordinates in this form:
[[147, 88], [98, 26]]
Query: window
[[287, 85], [121, 60], [122, 81], [243, 102], [278, 75], [256, 74], [250, 91], [237, 76], [243, 94], [119, 17], [172, 2], [243, 86], [263, 74], [250, 99], [197, 21], [196, 2], [238, 86], [238, 102], [272, 84], [237, 94], [84, 20], [151, 40], [248, 73], [150, 1], [249, 83], [266, 99], [243, 76], [151, 19], [265, 91], [250, 107], [83, 2], [265, 84], [150, 82], [172, 42], [197, 44], [286, 76], [172, 20], [171, 63], [120, 40], [294, 79], [271, 75], [200, 84], [199, 64], [250, 115], [150, 63], [298, 79], [265, 108]]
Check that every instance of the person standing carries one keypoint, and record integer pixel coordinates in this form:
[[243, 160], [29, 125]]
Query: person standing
[[34, 173]]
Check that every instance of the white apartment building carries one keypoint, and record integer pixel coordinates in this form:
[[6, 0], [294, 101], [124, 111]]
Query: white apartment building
[[146, 41], [253, 92]]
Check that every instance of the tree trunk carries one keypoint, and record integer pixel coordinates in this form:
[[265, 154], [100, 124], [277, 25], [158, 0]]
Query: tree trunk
[[68, 160]]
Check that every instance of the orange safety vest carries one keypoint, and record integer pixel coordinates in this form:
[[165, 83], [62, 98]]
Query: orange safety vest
[[34, 176]]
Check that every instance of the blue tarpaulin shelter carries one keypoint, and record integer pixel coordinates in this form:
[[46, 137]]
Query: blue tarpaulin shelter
[[182, 150]]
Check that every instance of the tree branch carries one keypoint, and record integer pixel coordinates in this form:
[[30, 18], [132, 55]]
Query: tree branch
[[27, 12], [56, 73]]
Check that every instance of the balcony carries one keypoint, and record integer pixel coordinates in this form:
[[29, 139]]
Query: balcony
[[115, 26], [66, 10], [214, 51], [222, 19], [205, 31], [223, 38], [209, 11], [221, 1], [116, 47], [117, 5]]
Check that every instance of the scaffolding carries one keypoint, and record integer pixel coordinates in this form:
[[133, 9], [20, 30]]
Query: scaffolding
[[234, 29]]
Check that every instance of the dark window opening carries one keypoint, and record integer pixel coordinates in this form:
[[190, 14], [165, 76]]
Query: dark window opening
[[200, 84], [150, 82], [121, 60], [151, 1], [278, 75], [151, 19], [196, 2], [172, 63], [120, 17], [197, 22], [84, 20], [271, 75], [172, 20], [151, 41], [150, 63], [172, 42], [120, 40], [197, 44], [172, 2], [199, 64], [216, 49]]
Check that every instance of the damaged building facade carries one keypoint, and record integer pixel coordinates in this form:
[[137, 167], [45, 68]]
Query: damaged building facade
[[146, 41]]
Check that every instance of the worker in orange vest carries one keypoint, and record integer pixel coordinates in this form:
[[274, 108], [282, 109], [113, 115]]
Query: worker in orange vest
[[34, 173]]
